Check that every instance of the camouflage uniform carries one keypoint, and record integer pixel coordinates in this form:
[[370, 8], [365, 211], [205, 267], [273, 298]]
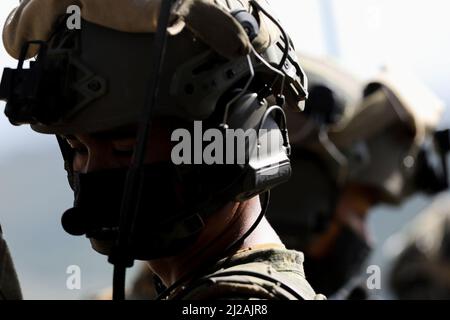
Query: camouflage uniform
[[264, 272], [9, 284]]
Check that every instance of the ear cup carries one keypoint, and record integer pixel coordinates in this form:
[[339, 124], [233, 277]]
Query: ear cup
[[246, 112], [266, 160]]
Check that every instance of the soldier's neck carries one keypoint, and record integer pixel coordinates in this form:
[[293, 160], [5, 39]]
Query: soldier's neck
[[221, 230]]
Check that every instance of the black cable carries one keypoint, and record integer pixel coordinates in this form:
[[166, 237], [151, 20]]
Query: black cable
[[119, 277], [265, 206], [283, 32], [283, 126], [228, 251], [133, 188], [275, 70], [285, 57]]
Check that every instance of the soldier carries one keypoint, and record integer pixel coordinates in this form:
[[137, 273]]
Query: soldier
[[9, 284], [200, 226], [421, 261], [369, 145]]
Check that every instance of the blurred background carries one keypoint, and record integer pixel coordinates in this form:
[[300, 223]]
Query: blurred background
[[362, 35]]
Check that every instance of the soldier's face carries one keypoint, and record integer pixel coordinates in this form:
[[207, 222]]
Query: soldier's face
[[351, 213], [114, 149], [353, 207]]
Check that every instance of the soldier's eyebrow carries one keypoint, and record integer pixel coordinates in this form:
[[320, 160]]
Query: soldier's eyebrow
[[121, 133], [126, 132]]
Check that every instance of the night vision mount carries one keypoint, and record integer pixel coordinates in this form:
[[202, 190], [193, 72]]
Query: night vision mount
[[57, 84]]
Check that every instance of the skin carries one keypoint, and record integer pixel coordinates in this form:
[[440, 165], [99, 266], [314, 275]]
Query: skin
[[114, 149]]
